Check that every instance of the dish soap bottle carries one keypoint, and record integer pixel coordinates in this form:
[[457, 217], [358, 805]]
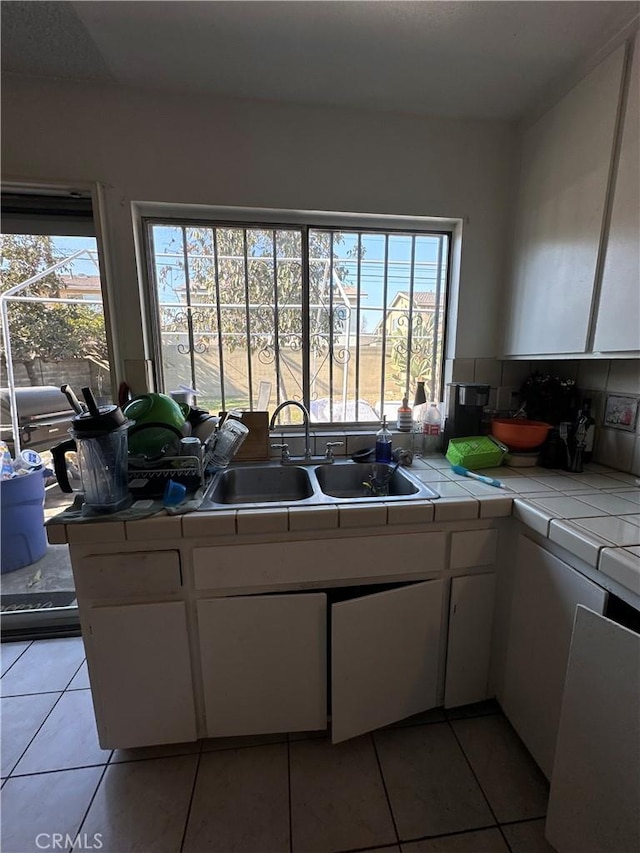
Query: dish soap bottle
[[383, 443], [405, 418]]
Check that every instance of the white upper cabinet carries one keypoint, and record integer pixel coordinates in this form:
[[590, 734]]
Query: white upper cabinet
[[618, 318], [566, 161]]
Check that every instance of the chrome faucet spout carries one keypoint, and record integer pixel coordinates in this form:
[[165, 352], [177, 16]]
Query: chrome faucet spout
[[305, 416]]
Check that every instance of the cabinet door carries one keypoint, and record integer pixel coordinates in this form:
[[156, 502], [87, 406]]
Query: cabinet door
[[469, 642], [264, 663], [385, 651], [546, 593], [595, 789], [618, 318], [141, 674], [559, 217]]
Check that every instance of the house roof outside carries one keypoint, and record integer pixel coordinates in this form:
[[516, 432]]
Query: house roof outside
[[77, 286], [422, 299]]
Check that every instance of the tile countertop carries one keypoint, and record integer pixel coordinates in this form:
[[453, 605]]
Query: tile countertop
[[594, 515]]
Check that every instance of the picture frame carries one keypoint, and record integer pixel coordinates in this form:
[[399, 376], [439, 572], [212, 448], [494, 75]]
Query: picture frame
[[621, 412]]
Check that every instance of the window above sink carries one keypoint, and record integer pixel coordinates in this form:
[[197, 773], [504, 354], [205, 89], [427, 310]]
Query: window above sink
[[343, 319]]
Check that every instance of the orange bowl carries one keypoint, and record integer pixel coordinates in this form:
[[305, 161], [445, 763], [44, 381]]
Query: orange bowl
[[519, 433]]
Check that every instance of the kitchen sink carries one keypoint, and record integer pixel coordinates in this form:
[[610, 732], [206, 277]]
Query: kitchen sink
[[364, 480], [260, 484], [269, 483]]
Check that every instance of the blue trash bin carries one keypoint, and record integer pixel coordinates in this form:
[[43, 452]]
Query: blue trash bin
[[24, 539]]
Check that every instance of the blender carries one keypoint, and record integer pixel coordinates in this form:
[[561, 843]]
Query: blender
[[100, 438]]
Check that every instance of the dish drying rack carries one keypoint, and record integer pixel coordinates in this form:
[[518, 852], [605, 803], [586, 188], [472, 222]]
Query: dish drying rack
[[148, 479]]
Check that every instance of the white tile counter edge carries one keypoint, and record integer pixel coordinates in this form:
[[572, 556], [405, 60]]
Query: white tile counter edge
[[549, 502]]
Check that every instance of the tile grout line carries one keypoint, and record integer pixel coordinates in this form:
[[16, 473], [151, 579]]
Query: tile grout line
[[437, 836], [193, 790], [38, 693], [137, 760], [82, 822], [523, 820], [384, 786], [479, 785], [35, 734], [30, 643], [241, 746], [57, 770], [44, 692], [367, 849], [75, 673]]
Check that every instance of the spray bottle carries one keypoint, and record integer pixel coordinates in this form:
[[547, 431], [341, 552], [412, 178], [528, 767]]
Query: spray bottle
[[383, 443]]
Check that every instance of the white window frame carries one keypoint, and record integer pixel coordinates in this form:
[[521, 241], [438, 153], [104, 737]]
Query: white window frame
[[184, 214]]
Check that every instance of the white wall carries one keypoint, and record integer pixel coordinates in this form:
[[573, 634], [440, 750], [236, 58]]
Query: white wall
[[151, 146]]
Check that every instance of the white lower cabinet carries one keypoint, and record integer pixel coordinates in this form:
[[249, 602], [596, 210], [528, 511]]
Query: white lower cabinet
[[264, 663], [385, 652], [546, 593], [595, 789], [469, 639], [141, 674], [266, 660]]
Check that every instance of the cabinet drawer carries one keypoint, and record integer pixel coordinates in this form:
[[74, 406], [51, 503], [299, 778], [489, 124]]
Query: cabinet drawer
[[235, 566], [473, 548], [149, 573]]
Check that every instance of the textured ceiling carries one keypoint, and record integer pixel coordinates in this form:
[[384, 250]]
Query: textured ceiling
[[49, 40], [468, 59]]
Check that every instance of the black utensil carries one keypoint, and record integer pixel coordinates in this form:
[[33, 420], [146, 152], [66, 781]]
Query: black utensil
[[75, 404], [90, 400]]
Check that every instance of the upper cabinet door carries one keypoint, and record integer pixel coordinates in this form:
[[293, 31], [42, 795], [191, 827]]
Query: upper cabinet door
[[561, 202], [385, 653], [618, 323]]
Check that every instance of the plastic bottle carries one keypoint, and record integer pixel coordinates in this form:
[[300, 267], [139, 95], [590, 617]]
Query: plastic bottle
[[419, 401], [419, 409], [405, 416], [7, 462], [431, 429], [383, 443]]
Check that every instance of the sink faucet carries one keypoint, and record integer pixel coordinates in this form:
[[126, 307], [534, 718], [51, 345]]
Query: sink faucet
[[305, 415]]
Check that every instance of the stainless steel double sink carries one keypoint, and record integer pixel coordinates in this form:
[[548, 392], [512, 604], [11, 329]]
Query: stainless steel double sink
[[271, 483]]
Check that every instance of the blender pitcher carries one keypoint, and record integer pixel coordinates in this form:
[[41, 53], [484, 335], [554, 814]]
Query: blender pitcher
[[100, 438]]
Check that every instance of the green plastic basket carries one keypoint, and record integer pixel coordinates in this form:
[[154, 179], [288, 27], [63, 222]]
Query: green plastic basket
[[476, 452]]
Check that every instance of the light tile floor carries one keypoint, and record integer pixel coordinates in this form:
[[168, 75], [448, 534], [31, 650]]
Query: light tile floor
[[443, 782]]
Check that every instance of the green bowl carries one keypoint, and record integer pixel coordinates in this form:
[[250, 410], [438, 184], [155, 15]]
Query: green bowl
[[154, 409]]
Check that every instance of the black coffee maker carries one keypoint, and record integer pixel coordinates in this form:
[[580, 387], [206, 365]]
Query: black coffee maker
[[464, 410]]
